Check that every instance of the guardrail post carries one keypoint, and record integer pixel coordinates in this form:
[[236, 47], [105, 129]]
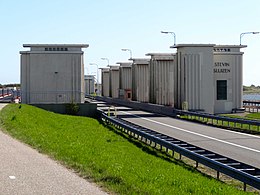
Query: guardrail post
[[217, 174], [244, 186], [197, 164]]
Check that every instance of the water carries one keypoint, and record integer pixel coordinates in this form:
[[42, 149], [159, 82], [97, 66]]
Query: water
[[251, 97]]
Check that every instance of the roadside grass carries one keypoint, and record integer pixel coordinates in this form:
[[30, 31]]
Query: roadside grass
[[255, 116], [103, 155]]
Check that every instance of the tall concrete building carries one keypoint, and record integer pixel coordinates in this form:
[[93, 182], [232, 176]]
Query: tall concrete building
[[125, 80], [161, 74], [52, 73], [194, 77], [228, 78], [105, 80], [208, 77], [114, 81], [89, 84], [140, 79]]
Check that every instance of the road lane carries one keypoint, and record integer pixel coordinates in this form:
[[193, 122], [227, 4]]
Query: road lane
[[239, 146]]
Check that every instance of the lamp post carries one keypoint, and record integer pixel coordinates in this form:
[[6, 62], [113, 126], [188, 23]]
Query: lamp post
[[93, 64], [244, 33], [129, 51], [87, 72], [173, 33], [106, 60]]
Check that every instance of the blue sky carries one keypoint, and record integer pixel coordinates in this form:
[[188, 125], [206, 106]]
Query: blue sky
[[110, 25]]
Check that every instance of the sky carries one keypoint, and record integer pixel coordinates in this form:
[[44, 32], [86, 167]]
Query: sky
[[110, 25]]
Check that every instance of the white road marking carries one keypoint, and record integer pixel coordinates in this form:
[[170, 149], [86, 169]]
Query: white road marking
[[198, 134], [12, 177]]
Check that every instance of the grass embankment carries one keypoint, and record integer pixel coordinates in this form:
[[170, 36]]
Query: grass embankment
[[99, 153], [255, 116]]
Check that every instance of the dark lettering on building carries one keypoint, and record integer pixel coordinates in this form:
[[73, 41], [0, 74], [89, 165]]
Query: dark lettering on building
[[221, 67], [221, 64], [221, 70], [222, 49]]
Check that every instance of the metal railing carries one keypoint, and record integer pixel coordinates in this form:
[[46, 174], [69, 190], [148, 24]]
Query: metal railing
[[251, 106], [223, 121], [9, 95], [245, 173], [252, 126]]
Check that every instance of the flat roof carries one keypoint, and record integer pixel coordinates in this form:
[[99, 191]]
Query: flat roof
[[141, 61], [230, 46], [104, 69], [161, 55], [113, 67], [192, 45], [56, 45], [124, 63]]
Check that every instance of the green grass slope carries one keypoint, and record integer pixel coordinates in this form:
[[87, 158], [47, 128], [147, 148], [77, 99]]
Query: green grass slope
[[101, 154]]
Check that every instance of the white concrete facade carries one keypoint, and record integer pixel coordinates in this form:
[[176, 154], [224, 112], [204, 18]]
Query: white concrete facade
[[228, 78], [199, 77], [52, 73], [89, 84], [161, 78], [105, 80], [194, 78], [140, 79], [114, 81], [125, 80], [208, 77]]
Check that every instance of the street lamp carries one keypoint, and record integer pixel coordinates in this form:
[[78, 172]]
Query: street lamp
[[87, 72], [174, 36], [242, 34], [129, 51], [93, 64], [106, 60]]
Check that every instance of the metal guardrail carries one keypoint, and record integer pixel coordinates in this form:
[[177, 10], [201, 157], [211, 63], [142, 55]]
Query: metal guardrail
[[9, 95], [247, 174], [222, 120], [251, 106], [211, 119]]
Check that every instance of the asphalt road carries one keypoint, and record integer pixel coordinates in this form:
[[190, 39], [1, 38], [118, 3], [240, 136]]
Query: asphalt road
[[239, 146], [23, 170]]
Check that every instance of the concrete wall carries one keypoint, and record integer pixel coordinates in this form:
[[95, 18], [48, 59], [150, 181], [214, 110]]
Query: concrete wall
[[125, 76], [140, 80], [161, 78], [105, 82], [228, 66], [89, 84], [125, 80], [194, 78], [114, 80], [87, 109], [51, 76]]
